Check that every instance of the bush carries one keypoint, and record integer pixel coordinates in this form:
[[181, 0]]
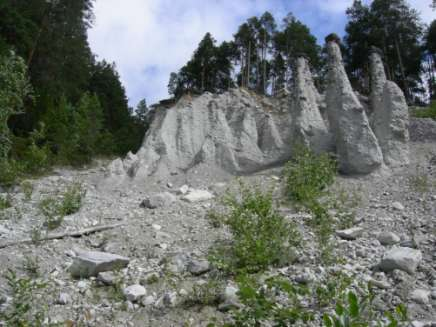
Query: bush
[[5, 202], [10, 170], [308, 175], [54, 210], [261, 236]]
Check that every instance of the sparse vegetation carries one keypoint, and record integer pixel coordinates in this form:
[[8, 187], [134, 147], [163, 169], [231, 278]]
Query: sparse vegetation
[[282, 303], [261, 236], [308, 175], [27, 189], [54, 209], [5, 202], [25, 309], [206, 294], [420, 182]]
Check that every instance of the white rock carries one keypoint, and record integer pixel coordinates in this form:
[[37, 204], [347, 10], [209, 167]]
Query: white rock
[[134, 293], [64, 299], [183, 189], [357, 146], [90, 263], [198, 196], [156, 227], [388, 238], [308, 126], [350, 233], [148, 300], [420, 296], [402, 258], [397, 206]]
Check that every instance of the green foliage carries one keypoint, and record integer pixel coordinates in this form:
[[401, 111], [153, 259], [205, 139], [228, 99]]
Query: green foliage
[[279, 302], [25, 309], [308, 175], [262, 304], [72, 199], [14, 88], [27, 189], [353, 311], [5, 202], [395, 28], [54, 209], [9, 172], [31, 266], [261, 236], [206, 294]]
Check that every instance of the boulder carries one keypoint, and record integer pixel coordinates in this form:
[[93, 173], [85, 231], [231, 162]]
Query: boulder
[[134, 293], [378, 81], [356, 145], [159, 200], [308, 126], [402, 258], [388, 238], [350, 233], [198, 267], [420, 296], [90, 263]]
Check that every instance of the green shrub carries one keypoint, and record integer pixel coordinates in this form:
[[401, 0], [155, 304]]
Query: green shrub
[[308, 175], [25, 309], [72, 199], [261, 236], [27, 189], [54, 209], [10, 170], [5, 202], [353, 311], [36, 157]]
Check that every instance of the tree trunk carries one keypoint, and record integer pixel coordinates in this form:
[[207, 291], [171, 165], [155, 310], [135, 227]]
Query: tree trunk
[[403, 74], [248, 64]]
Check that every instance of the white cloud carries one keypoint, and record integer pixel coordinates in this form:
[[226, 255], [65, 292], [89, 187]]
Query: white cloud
[[148, 39]]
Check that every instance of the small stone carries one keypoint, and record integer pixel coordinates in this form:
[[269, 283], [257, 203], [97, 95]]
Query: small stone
[[89, 263], [350, 233], [198, 267], [230, 299], [420, 296], [160, 200], [198, 196], [148, 300], [82, 286], [134, 292], [107, 277], [183, 190], [64, 299], [405, 259], [398, 206], [170, 299], [388, 238], [156, 227]]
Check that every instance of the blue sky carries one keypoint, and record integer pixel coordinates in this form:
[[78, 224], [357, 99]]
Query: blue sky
[[148, 39]]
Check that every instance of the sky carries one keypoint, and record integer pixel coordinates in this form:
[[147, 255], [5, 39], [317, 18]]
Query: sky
[[149, 39]]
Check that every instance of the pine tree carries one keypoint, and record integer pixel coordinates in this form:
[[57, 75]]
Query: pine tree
[[396, 29]]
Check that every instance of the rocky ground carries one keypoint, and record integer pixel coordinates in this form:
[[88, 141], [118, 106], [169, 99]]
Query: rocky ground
[[164, 241]]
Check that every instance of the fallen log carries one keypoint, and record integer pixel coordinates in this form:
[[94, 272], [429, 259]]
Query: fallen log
[[58, 236]]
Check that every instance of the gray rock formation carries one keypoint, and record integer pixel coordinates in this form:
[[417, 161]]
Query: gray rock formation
[[356, 145], [308, 125], [237, 131], [390, 119], [378, 81]]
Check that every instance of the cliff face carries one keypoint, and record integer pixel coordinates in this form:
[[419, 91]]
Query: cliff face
[[240, 132], [237, 131]]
